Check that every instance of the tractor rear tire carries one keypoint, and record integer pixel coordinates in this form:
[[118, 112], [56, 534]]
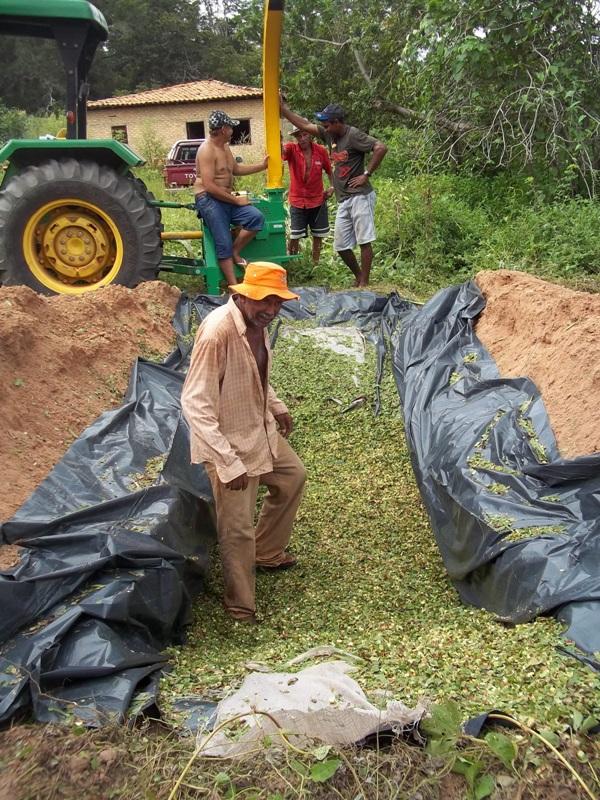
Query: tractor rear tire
[[68, 227]]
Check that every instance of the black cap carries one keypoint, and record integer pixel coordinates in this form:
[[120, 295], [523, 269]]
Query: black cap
[[332, 111], [219, 118]]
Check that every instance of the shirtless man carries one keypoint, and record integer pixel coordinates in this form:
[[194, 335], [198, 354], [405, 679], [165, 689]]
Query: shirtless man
[[215, 202]]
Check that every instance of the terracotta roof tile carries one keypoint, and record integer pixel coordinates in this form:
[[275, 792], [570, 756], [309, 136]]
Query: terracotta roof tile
[[193, 92]]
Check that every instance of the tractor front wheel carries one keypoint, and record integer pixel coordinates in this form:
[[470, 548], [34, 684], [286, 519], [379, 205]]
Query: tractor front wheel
[[67, 227]]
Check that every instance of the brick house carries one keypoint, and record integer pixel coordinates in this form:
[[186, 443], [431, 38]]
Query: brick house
[[179, 112]]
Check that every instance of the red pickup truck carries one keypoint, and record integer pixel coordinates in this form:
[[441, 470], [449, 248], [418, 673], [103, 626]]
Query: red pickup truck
[[180, 167]]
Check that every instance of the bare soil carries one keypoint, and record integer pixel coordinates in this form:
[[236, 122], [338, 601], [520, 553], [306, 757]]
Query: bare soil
[[63, 361], [45, 762], [552, 335]]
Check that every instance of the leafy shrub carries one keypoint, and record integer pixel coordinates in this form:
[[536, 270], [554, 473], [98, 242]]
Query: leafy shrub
[[439, 229], [427, 232], [39, 125], [13, 123], [555, 240], [152, 147], [408, 152]]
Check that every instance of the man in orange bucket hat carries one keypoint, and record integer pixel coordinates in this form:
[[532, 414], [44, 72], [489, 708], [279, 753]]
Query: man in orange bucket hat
[[239, 430]]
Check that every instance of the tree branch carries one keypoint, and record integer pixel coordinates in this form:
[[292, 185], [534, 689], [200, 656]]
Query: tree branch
[[414, 116], [323, 41], [441, 120], [362, 68]]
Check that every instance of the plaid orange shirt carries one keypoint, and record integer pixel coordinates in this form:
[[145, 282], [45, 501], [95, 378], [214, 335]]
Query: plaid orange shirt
[[232, 423]]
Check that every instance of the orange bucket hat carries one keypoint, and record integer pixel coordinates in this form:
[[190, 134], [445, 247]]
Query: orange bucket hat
[[262, 278]]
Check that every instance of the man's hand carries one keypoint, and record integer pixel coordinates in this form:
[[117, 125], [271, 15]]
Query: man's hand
[[265, 161], [285, 423], [241, 482], [328, 193], [360, 180], [242, 200]]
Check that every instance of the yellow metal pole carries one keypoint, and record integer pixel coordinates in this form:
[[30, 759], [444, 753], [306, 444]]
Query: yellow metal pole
[[273, 23]]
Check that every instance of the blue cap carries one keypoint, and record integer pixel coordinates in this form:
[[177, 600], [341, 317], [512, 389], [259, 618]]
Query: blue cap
[[332, 111]]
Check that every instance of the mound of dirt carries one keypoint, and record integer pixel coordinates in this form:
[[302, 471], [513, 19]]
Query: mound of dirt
[[64, 360], [552, 335]]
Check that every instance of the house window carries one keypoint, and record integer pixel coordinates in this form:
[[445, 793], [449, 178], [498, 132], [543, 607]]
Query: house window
[[194, 130], [119, 132], [241, 133]]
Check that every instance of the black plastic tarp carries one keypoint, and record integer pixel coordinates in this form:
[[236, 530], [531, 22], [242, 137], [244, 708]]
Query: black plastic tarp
[[469, 432], [105, 579], [110, 568]]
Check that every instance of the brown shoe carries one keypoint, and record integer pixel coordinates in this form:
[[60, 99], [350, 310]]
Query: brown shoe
[[287, 562]]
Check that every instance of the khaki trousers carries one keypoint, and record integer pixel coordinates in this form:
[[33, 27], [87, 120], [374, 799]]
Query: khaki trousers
[[241, 545]]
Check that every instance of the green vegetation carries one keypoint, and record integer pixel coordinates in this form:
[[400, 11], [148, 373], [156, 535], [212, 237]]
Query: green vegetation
[[436, 230], [518, 534], [152, 470], [16, 124], [527, 427], [13, 123], [476, 87], [478, 461]]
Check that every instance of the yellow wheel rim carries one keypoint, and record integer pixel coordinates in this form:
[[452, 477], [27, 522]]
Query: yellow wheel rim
[[72, 246]]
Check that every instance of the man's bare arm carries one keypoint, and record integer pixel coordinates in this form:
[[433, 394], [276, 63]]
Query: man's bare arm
[[379, 152], [250, 169], [298, 121]]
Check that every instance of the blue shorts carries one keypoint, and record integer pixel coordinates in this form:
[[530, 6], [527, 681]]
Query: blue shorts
[[220, 216]]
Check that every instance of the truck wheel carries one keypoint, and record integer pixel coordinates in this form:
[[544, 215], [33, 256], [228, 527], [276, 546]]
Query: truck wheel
[[67, 227]]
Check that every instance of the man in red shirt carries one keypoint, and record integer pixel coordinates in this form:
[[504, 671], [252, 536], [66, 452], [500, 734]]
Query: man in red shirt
[[308, 199]]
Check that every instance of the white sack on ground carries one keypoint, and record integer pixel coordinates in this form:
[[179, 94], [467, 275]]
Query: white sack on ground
[[320, 702]]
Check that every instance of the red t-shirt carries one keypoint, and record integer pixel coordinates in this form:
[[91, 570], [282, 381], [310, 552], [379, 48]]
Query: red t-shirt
[[306, 190]]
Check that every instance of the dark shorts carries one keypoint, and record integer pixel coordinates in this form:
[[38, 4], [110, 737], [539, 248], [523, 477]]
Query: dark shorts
[[220, 216], [314, 218]]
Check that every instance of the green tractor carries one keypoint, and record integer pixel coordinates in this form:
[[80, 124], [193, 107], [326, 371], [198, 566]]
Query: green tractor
[[73, 217]]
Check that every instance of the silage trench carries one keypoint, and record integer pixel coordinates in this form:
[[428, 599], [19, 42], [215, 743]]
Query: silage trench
[[370, 578]]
